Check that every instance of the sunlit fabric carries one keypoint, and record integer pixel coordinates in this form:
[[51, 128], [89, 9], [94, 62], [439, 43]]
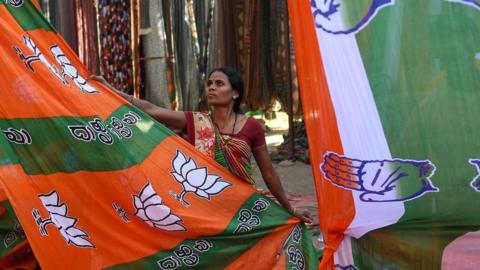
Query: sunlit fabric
[[96, 183], [389, 91]]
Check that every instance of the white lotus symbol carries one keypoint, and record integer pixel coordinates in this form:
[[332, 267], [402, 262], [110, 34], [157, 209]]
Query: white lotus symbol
[[58, 217], [195, 179], [151, 210]]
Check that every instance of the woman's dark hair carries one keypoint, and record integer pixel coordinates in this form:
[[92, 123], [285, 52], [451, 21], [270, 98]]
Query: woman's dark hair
[[236, 81]]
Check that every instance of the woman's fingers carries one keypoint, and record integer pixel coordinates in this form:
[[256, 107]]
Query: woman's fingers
[[305, 216], [96, 78], [307, 219]]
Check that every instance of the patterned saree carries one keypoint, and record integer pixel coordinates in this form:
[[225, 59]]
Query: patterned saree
[[231, 152]]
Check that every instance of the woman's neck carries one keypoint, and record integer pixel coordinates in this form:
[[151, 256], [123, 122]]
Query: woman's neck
[[222, 115]]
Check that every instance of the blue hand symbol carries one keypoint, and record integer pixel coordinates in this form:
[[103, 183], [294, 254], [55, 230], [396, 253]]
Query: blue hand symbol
[[473, 3], [326, 8], [334, 16], [380, 180], [476, 181]]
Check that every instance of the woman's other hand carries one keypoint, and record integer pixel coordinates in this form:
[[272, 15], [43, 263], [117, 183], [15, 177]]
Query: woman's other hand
[[304, 215]]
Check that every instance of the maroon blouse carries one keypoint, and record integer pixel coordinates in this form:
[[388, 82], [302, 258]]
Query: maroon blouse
[[251, 132]]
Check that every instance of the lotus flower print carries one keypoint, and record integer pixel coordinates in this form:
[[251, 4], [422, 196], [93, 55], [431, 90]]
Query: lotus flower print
[[151, 210], [380, 180], [58, 217], [195, 179]]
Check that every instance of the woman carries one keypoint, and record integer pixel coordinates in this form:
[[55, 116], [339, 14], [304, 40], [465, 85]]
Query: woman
[[224, 134]]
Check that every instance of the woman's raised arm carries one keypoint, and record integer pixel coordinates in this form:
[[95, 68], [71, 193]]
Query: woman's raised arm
[[174, 120]]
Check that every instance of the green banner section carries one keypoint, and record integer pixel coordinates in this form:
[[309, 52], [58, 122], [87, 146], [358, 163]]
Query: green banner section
[[257, 218], [299, 252], [415, 248], [11, 233], [70, 144], [27, 15], [426, 93], [423, 64]]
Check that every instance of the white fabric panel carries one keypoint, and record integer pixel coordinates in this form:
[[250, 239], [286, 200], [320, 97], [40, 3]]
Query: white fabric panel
[[358, 122]]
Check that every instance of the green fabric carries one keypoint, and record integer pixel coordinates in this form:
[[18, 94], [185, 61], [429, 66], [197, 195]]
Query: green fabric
[[221, 158], [23, 15], [54, 149], [11, 233], [228, 246], [420, 60], [219, 155]]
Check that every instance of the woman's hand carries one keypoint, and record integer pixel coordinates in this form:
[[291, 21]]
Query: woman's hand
[[304, 215], [98, 78], [102, 80], [271, 179]]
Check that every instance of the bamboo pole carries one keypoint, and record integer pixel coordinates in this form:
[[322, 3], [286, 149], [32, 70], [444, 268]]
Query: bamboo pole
[[134, 26], [291, 131]]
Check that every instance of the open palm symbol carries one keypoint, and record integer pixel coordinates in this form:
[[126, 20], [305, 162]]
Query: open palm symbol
[[472, 3], [476, 180], [325, 7], [380, 180]]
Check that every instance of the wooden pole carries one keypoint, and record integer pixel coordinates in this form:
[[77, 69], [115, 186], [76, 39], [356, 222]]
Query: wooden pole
[[134, 24], [291, 131]]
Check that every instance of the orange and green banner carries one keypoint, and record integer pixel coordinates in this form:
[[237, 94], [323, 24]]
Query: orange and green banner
[[389, 90], [95, 183]]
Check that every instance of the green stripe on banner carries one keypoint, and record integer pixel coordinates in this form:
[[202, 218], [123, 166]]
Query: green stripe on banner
[[11, 233], [426, 92], [427, 97], [48, 145], [301, 240], [217, 252], [416, 248], [28, 16]]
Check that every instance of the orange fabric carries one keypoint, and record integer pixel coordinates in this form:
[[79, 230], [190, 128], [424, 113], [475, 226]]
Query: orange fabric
[[321, 125], [281, 262], [21, 258], [37, 4], [24, 85], [253, 257], [77, 187], [3, 197], [96, 217]]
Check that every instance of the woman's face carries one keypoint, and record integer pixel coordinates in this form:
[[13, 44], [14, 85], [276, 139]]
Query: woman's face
[[219, 91]]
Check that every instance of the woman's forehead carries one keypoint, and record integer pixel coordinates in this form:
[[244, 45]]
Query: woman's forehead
[[218, 75]]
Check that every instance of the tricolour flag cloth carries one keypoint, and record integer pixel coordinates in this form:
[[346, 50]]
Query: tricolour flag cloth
[[96, 183], [390, 91]]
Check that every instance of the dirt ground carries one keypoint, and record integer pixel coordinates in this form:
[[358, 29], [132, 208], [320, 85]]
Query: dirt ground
[[296, 176]]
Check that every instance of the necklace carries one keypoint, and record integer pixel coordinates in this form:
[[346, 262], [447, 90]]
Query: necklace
[[234, 123]]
